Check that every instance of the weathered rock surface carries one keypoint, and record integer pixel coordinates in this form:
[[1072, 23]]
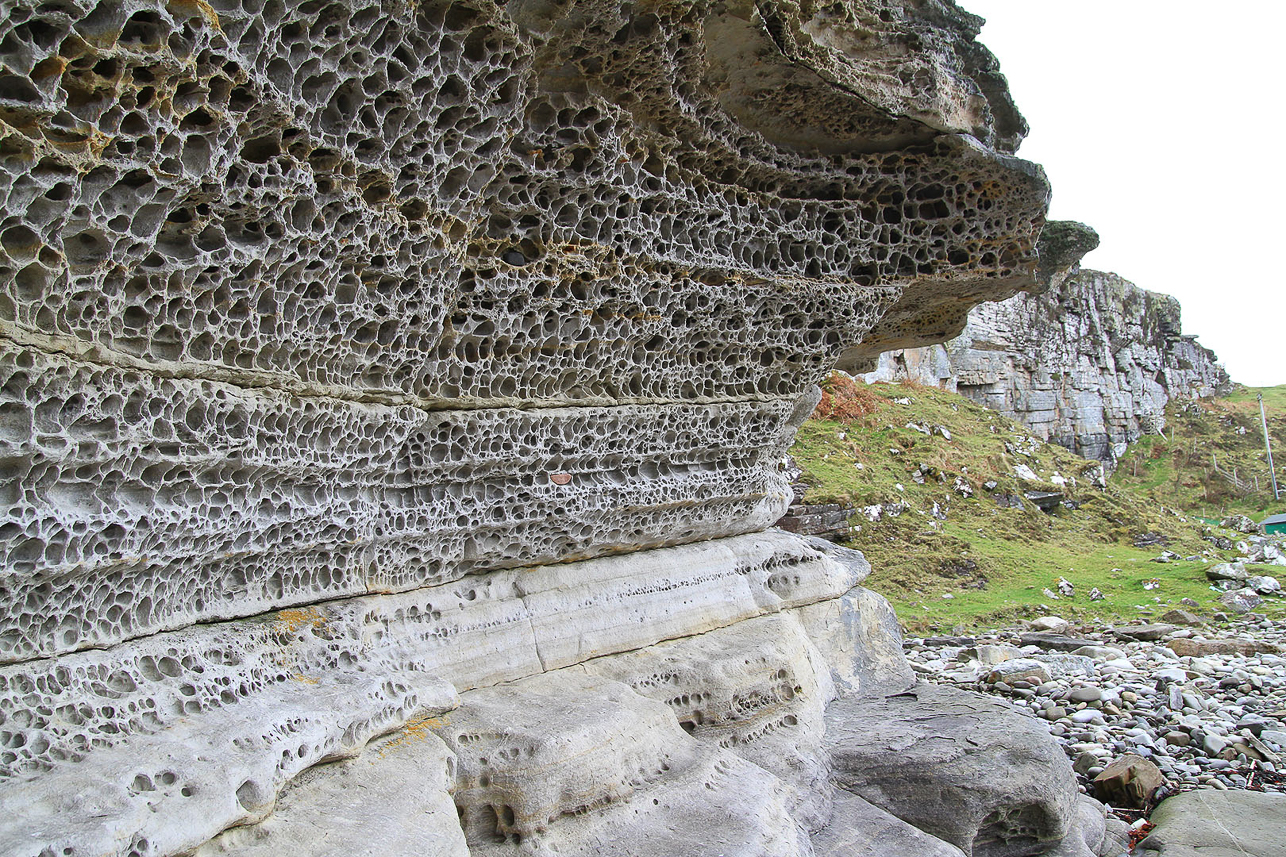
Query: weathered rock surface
[[371, 370], [1089, 364], [1209, 823], [961, 766], [1129, 781], [393, 799]]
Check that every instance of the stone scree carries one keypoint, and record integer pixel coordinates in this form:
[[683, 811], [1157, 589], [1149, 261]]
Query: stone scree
[[360, 358]]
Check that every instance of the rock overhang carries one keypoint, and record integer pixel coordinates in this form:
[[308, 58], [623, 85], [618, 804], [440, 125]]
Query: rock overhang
[[239, 259], [309, 306]]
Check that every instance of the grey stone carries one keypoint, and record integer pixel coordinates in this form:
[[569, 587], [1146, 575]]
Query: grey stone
[[1055, 641], [1099, 653], [1241, 600], [963, 767], [1227, 571], [858, 827], [989, 655], [1015, 670], [1213, 744], [1207, 823], [1085, 694], [1264, 585], [1240, 523], [1181, 617], [1148, 633]]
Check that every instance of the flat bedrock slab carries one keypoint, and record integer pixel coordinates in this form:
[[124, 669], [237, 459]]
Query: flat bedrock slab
[[958, 765], [1208, 823]]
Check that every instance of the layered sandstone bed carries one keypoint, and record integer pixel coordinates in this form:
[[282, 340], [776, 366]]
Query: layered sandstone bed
[[407, 385], [1090, 363]]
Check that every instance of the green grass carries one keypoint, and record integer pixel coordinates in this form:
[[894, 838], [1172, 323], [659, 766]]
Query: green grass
[[1274, 397], [1018, 573], [994, 561], [1177, 470]]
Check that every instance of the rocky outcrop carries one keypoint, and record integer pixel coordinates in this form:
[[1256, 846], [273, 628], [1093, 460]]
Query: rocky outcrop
[[403, 386], [1090, 363]]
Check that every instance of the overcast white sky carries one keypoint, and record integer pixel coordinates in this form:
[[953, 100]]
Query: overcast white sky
[[1160, 123]]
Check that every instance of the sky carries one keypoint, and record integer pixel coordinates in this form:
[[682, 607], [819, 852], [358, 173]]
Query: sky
[[1160, 124]]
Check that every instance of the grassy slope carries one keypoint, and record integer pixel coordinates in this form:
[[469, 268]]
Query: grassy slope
[[1176, 469], [994, 562]]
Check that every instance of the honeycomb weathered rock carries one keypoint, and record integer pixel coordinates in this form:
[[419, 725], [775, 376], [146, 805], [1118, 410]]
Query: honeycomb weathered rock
[[365, 308]]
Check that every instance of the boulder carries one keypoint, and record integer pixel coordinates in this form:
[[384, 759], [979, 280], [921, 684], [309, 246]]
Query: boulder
[[1041, 668], [1264, 585], [960, 766], [1021, 669], [1148, 633], [1099, 653], [1130, 781], [1181, 617], [1050, 623], [1241, 600], [1056, 641], [1240, 523], [990, 655], [1227, 571], [1208, 823]]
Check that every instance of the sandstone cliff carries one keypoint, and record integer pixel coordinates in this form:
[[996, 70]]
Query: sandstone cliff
[[1089, 364], [419, 373]]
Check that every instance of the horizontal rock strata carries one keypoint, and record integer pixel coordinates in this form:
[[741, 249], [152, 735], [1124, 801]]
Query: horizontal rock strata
[[396, 393]]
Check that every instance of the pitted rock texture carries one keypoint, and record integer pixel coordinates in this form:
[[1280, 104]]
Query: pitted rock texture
[[358, 355], [1090, 364], [273, 272]]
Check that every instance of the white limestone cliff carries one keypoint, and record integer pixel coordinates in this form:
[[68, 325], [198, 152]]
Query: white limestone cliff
[[1090, 363]]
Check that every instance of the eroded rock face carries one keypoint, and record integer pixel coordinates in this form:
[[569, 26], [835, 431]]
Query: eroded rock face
[[359, 357]]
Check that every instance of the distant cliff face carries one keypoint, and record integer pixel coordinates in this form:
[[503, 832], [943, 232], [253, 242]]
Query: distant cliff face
[[1089, 364]]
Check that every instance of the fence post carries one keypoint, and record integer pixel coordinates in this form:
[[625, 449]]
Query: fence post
[[1268, 445]]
